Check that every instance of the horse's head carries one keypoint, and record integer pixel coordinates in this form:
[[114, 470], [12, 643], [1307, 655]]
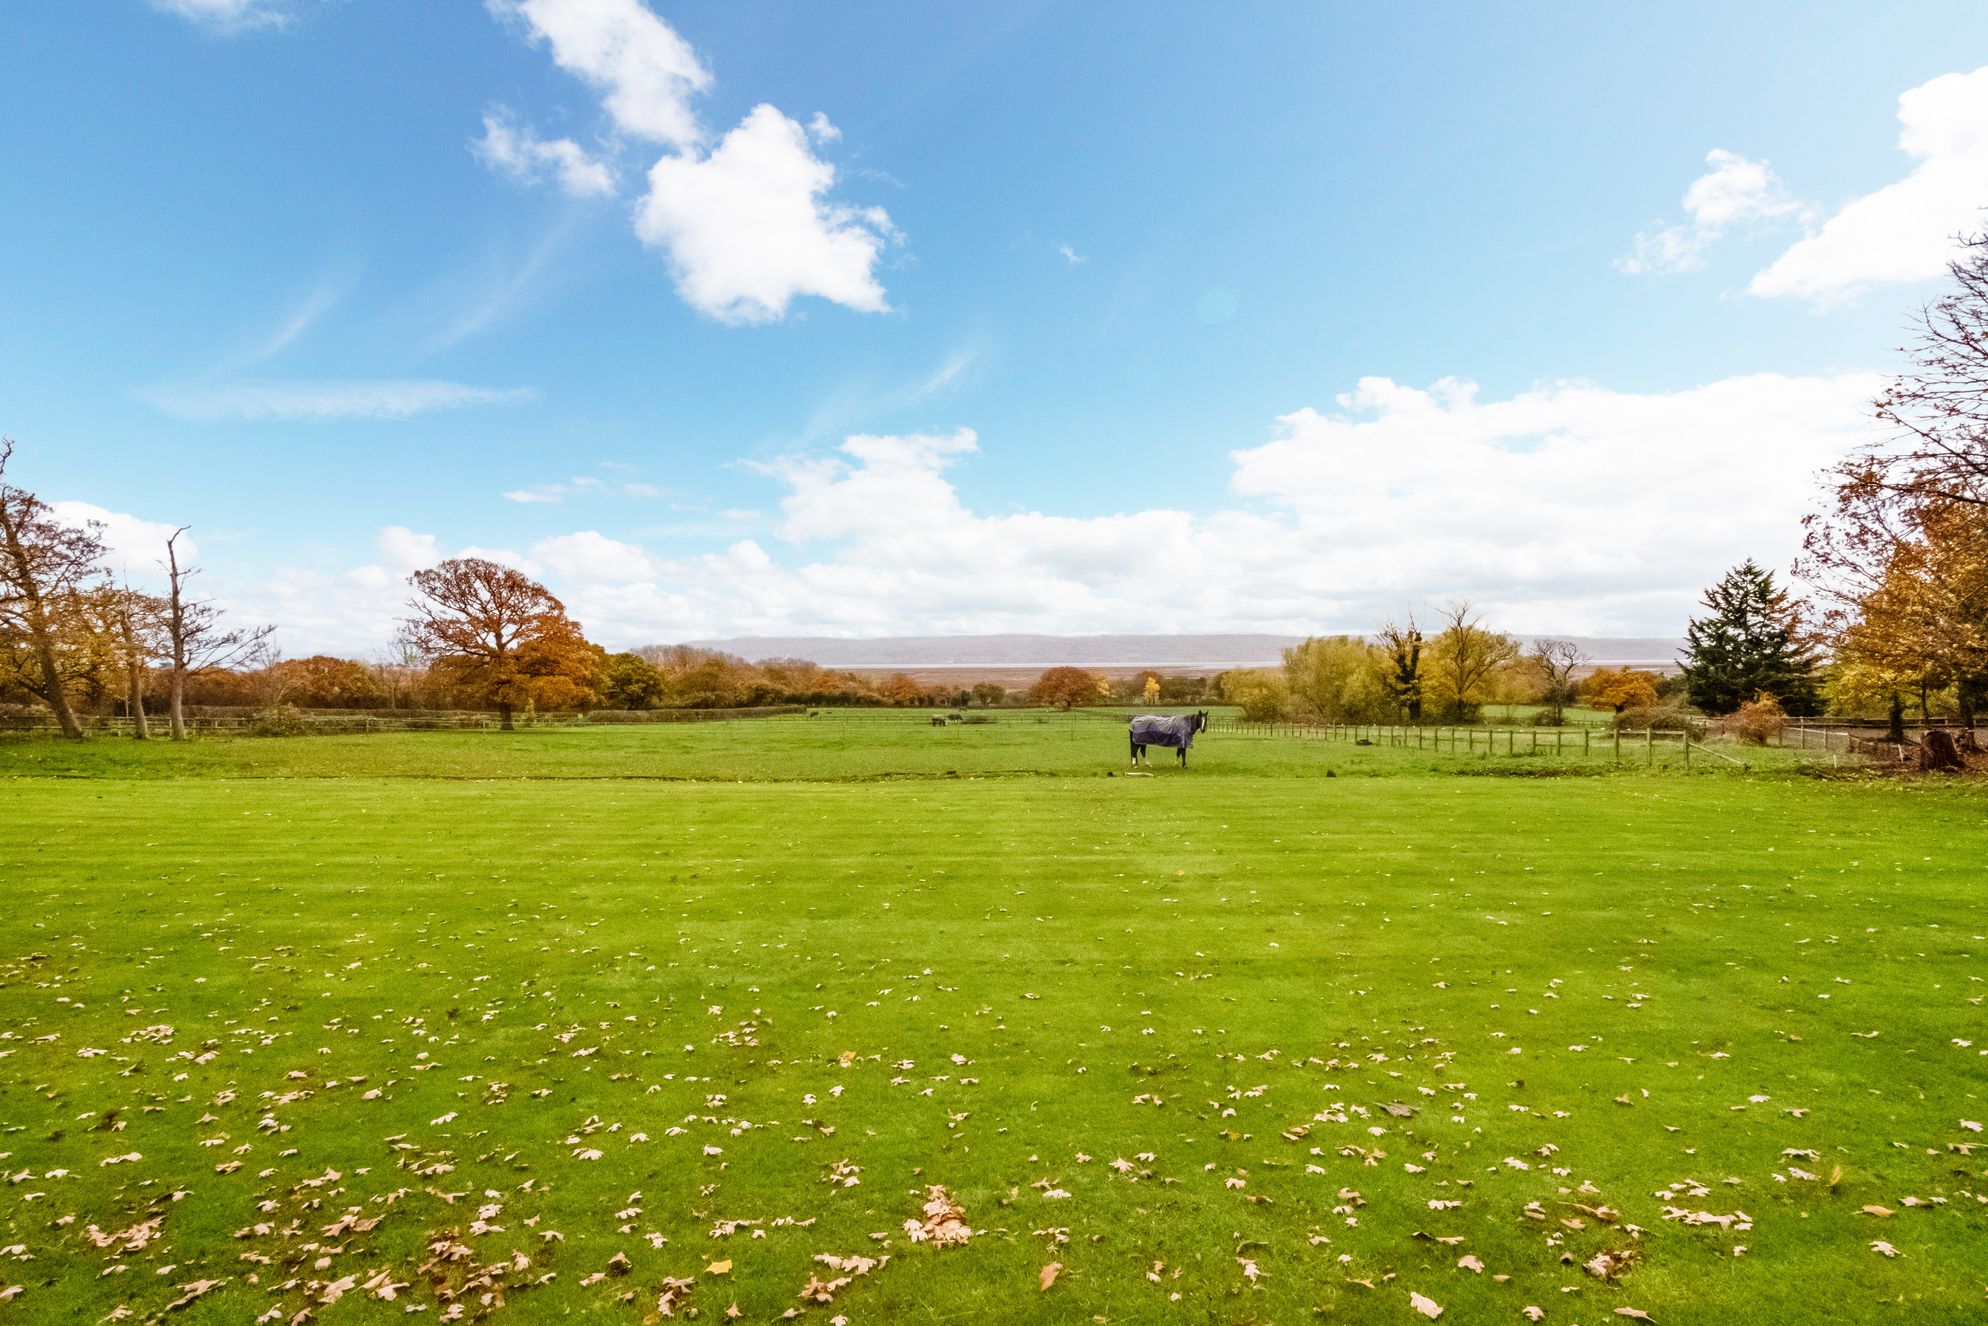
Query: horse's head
[[1201, 720]]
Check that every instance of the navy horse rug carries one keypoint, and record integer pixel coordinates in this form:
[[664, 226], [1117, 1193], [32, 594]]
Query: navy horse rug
[[1177, 733]]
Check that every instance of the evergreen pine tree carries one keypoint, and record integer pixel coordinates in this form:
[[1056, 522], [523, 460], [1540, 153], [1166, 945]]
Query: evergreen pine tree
[[1749, 644]]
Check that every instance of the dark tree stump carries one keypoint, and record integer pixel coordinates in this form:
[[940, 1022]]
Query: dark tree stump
[[1938, 752]]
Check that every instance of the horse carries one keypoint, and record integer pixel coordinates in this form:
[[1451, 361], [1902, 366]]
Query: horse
[[1152, 730]]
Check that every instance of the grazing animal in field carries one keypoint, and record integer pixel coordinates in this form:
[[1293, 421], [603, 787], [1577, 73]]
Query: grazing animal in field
[[1152, 730]]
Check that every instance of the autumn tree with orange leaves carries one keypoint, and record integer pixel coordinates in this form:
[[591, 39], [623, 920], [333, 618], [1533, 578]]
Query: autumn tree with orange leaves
[[1901, 551], [1620, 689], [500, 636], [46, 567], [1064, 687]]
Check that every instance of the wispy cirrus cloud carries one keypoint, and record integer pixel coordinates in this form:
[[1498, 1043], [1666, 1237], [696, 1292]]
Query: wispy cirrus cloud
[[516, 150], [855, 403], [255, 399], [503, 284], [230, 16], [585, 485], [295, 324], [300, 320]]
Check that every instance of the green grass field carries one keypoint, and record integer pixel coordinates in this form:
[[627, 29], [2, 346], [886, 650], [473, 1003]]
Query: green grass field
[[635, 1024]]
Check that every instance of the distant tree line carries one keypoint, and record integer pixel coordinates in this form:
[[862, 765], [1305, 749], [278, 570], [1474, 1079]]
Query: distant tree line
[[1449, 674]]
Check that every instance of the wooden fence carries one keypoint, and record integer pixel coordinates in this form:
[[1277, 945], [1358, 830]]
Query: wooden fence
[[1647, 745], [1863, 738], [328, 721]]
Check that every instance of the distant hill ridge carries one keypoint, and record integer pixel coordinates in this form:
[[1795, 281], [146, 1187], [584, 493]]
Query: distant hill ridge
[[1186, 653]]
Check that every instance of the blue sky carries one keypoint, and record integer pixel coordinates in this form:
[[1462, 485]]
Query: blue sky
[[1152, 315]]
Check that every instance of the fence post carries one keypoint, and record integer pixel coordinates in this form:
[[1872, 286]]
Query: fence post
[[1687, 748], [1650, 744], [1586, 734], [1557, 734], [1618, 740]]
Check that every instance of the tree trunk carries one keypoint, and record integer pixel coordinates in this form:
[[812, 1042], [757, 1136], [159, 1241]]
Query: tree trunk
[[65, 717], [176, 633], [504, 717], [139, 728], [134, 667], [1896, 734], [1967, 692]]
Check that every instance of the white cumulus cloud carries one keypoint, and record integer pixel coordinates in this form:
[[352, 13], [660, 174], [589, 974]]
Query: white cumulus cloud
[[405, 551], [1735, 193], [645, 72], [1567, 507], [748, 224], [134, 547], [591, 557], [1568, 492], [842, 496], [749, 227], [1905, 230]]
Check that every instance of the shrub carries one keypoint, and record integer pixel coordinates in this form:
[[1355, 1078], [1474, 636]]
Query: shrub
[[1758, 721], [279, 720], [1459, 713], [1260, 695]]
